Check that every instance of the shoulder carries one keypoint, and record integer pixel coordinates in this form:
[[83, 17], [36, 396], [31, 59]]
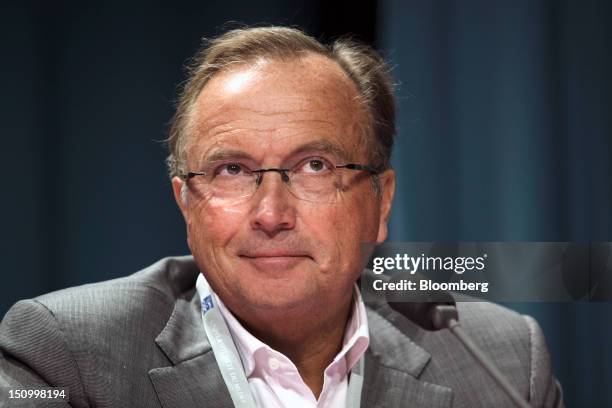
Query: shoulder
[[495, 325], [146, 297], [167, 278], [516, 344], [158, 284], [492, 326], [95, 334], [503, 334], [513, 342]]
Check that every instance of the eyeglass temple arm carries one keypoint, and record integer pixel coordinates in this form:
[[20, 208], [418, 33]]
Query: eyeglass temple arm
[[354, 166], [190, 175]]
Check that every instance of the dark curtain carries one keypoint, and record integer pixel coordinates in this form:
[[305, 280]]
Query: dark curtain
[[504, 135]]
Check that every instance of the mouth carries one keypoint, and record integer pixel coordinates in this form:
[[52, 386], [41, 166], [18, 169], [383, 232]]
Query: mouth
[[274, 260]]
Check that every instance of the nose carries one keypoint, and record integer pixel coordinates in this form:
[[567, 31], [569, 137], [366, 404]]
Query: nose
[[273, 209]]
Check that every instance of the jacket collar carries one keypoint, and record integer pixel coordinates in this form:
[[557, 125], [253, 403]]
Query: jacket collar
[[394, 364], [193, 380]]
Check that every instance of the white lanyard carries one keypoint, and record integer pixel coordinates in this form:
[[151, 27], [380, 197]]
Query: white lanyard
[[230, 365]]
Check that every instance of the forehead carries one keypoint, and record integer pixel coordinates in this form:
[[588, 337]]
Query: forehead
[[272, 105]]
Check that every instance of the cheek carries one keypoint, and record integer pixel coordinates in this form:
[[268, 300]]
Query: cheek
[[341, 229], [357, 218], [212, 225]]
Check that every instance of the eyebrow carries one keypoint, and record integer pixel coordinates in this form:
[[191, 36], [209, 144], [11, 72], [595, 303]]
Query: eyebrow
[[324, 146], [222, 154], [320, 145]]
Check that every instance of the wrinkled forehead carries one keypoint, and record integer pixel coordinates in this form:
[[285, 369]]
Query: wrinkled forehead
[[273, 104]]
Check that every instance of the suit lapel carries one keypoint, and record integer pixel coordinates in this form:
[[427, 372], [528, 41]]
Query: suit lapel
[[193, 380], [393, 365]]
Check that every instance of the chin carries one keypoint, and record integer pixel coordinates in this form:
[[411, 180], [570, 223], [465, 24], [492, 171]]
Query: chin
[[280, 298]]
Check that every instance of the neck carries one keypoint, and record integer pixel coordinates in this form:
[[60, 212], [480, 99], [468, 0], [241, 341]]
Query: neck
[[310, 340]]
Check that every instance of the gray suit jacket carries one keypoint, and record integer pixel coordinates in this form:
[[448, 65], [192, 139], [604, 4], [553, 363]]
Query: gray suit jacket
[[138, 341]]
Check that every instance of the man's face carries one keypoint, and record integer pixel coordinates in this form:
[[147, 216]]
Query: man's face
[[273, 251]]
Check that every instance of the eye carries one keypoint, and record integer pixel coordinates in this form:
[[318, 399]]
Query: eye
[[230, 169], [315, 165]]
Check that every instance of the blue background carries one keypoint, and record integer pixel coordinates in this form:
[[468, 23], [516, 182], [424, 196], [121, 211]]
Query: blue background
[[504, 135]]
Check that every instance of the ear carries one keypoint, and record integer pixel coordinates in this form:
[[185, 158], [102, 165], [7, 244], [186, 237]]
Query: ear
[[387, 183], [177, 189]]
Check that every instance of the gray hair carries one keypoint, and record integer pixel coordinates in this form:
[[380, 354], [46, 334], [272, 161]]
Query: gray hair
[[364, 66]]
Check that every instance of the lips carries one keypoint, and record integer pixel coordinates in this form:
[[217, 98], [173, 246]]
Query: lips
[[279, 260], [274, 254]]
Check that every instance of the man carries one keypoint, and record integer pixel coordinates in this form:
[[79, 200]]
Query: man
[[279, 158]]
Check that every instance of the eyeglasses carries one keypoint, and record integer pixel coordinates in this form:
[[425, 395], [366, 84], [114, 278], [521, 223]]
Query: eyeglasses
[[313, 179]]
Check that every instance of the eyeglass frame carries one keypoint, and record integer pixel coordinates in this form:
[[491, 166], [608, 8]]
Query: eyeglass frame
[[350, 166], [283, 172]]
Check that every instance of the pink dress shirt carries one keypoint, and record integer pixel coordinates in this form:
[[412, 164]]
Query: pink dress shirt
[[275, 381]]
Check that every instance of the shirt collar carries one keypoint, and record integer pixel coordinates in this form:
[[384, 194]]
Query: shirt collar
[[355, 342], [356, 335]]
